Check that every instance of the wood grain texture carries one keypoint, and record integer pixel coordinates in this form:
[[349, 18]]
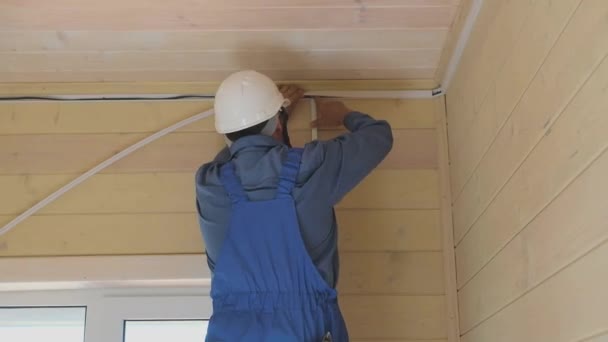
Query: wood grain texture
[[394, 317], [412, 149], [558, 81], [198, 86], [123, 18], [568, 147], [567, 307], [178, 233], [76, 153], [134, 4], [390, 240], [568, 228], [348, 40], [151, 116], [417, 77], [447, 228], [411, 273], [498, 28], [144, 40], [495, 32], [534, 146], [172, 192], [98, 234], [18, 118], [217, 60], [176, 152], [396, 189], [545, 24], [451, 40], [389, 230]]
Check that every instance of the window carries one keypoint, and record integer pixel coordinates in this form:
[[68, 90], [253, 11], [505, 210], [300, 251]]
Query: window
[[112, 315], [123, 298], [53, 324], [160, 331]]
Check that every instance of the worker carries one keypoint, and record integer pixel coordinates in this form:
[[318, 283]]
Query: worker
[[267, 217]]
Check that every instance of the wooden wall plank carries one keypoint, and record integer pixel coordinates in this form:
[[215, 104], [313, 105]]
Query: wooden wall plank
[[48, 154], [394, 317], [177, 233], [21, 192], [574, 223], [567, 307], [198, 86], [149, 117], [219, 60], [411, 273], [97, 234], [411, 113], [151, 18], [202, 4], [100, 117], [389, 230], [396, 189], [568, 147], [176, 152], [172, 192], [412, 149], [557, 82], [72, 41], [418, 77], [495, 33], [447, 229], [543, 27]]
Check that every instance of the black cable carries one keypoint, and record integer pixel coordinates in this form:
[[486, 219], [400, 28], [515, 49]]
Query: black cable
[[283, 118], [283, 115], [101, 98]]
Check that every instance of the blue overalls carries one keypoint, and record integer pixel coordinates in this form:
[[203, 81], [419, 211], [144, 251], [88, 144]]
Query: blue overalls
[[265, 286]]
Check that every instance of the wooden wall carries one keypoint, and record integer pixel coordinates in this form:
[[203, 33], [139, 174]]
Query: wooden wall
[[185, 40], [528, 132], [392, 269]]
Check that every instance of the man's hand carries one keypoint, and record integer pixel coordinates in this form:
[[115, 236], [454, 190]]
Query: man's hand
[[293, 93], [330, 114]]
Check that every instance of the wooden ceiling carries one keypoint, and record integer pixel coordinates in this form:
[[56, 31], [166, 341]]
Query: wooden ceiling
[[204, 40]]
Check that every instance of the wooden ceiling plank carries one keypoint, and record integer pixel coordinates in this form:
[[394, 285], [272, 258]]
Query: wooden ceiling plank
[[107, 18]]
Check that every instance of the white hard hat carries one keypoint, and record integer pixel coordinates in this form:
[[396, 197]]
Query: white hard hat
[[245, 99]]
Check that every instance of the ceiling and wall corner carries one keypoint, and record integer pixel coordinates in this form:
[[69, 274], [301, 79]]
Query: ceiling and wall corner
[[151, 47]]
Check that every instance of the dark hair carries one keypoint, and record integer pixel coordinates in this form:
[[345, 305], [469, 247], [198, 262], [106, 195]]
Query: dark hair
[[253, 130]]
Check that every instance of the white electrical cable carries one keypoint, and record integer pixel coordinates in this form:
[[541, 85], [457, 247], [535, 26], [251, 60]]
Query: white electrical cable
[[100, 167], [313, 117], [463, 39], [353, 94], [405, 94], [378, 94], [374, 94]]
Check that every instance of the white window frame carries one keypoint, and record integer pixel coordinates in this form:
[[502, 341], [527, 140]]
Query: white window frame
[[114, 289]]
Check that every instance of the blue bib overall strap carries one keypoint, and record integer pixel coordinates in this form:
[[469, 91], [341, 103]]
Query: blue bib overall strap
[[265, 286]]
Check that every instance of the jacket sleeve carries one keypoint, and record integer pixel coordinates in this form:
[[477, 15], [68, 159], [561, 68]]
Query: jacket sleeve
[[349, 158]]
